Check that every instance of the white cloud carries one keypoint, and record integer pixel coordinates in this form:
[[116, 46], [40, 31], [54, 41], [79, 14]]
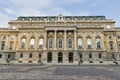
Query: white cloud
[[37, 8]]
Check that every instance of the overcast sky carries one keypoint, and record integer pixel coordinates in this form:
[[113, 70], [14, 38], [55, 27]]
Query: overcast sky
[[11, 9]]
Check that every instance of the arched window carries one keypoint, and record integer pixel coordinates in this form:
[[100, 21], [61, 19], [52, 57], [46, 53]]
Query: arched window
[[50, 43], [3, 46], [79, 43], [111, 46], [40, 43], [23, 41], [69, 43], [98, 43], [60, 43], [11, 46], [89, 44], [32, 43]]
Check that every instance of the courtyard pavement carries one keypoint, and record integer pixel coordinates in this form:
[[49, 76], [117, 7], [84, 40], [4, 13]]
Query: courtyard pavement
[[59, 72]]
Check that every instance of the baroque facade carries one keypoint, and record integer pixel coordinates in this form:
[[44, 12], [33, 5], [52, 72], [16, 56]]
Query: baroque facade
[[60, 40]]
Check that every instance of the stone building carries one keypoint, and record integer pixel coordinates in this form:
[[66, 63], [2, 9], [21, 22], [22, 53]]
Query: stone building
[[60, 40]]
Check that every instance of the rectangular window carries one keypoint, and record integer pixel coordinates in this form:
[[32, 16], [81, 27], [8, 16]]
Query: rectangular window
[[118, 36], [40, 43], [111, 46], [100, 55], [89, 44], [11, 45], [0, 55], [3, 37], [79, 43], [90, 55], [30, 55], [21, 55], [3, 46], [119, 46], [110, 37]]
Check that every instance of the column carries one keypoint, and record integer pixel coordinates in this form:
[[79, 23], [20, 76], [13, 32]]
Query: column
[[65, 47], [45, 38], [75, 46], [36, 41], [93, 40], [55, 40], [27, 43]]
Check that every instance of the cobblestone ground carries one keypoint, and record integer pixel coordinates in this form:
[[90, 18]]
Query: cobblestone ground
[[55, 72]]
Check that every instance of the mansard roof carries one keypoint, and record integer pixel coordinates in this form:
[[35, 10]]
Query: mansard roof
[[60, 17]]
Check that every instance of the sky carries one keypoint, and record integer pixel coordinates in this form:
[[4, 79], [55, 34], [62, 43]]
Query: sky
[[11, 9]]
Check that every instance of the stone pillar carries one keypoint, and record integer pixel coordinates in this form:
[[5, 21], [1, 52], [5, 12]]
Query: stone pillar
[[93, 40], [102, 42], [27, 44], [36, 41], [55, 47], [45, 39], [65, 47], [18, 38], [75, 46], [84, 41]]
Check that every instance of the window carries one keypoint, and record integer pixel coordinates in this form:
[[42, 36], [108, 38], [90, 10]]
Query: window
[[98, 43], [113, 56], [39, 55], [2, 46], [32, 43], [118, 36], [50, 43], [0, 55], [110, 37], [100, 55], [8, 56], [79, 43], [69, 43], [23, 41], [40, 43], [80, 55], [60, 43], [3, 37], [89, 43], [11, 46], [119, 46], [30, 55], [90, 55], [111, 46], [21, 55]]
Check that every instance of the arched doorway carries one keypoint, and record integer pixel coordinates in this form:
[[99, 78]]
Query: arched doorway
[[60, 57], [70, 57], [49, 57]]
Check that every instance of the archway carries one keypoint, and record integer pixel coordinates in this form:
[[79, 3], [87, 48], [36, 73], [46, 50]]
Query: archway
[[49, 57], [60, 57], [70, 55]]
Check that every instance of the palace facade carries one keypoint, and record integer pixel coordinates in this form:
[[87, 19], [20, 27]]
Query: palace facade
[[60, 40]]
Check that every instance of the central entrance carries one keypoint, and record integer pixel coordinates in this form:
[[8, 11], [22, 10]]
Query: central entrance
[[60, 57]]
